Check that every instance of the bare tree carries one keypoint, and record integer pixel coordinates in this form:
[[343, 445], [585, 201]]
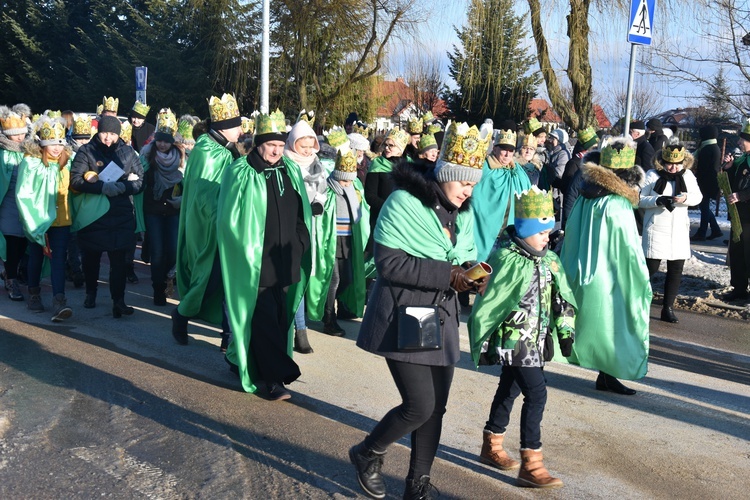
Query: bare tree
[[645, 102], [424, 74]]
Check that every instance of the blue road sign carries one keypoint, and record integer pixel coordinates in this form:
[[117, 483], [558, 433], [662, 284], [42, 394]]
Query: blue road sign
[[141, 74], [641, 21]]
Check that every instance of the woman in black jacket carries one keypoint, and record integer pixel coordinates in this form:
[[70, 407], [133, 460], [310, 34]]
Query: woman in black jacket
[[103, 211]]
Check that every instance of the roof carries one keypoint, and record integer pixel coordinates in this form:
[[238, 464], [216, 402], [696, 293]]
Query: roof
[[398, 96], [542, 111]]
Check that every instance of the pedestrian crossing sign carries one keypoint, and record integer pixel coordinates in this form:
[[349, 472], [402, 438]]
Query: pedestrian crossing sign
[[641, 21]]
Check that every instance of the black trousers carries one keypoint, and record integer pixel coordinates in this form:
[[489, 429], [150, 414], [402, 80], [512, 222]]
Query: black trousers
[[270, 336], [672, 280], [15, 249], [739, 259], [424, 393], [91, 263]]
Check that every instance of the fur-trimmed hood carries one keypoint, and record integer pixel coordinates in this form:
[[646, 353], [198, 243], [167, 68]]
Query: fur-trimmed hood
[[418, 179], [536, 160], [600, 181], [688, 164]]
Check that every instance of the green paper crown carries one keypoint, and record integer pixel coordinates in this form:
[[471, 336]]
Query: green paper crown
[[426, 142], [428, 118], [275, 123], [415, 126], [337, 137], [531, 125], [400, 137], [53, 113], [534, 204], [308, 116], [434, 128], [587, 137], [166, 121], [346, 162], [185, 127], [673, 154], [746, 127], [248, 125], [614, 159], [506, 138], [141, 108]]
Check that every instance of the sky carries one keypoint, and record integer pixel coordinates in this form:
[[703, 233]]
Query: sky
[[609, 49]]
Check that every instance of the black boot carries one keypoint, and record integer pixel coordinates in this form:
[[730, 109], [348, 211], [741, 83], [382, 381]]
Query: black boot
[[160, 296], [90, 301], [606, 382], [668, 315], [120, 307], [301, 344], [368, 465], [420, 489], [179, 327], [331, 327]]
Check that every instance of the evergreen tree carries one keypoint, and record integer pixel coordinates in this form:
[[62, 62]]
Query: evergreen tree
[[491, 68], [717, 100]]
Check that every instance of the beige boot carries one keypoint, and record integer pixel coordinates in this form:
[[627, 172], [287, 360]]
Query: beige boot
[[533, 474], [493, 453]]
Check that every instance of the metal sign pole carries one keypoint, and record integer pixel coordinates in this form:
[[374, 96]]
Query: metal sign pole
[[264, 58], [629, 98]]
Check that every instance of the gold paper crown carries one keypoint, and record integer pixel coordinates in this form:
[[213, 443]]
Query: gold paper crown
[[428, 118], [11, 122], [426, 142], [587, 137], [673, 153], [141, 108], [337, 137], [308, 116], [400, 137], [82, 125], [434, 128], [99, 110], [248, 125], [506, 138], [166, 122], [466, 146], [616, 159], [529, 141], [531, 125], [223, 109], [126, 131], [415, 126], [35, 117], [50, 130], [361, 128], [534, 204], [53, 113], [110, 104], [275, 123], [346, 162]]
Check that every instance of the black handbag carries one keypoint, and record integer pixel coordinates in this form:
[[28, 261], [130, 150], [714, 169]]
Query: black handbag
[[418, 326]]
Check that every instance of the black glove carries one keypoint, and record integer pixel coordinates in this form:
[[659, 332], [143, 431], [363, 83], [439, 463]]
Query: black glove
[[566, 346], [666, 201], [459, 281], [317, 208]]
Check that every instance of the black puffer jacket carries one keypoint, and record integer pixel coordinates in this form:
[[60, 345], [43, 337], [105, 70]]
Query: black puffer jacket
[[115, 230]]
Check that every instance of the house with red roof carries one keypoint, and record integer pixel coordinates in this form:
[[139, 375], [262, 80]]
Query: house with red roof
[[398, 105], [542, 111]]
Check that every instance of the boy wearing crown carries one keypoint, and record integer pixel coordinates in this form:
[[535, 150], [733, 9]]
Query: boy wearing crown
[[264, 218], [198, 268], [142, 130], [606, 269], [527, 301]]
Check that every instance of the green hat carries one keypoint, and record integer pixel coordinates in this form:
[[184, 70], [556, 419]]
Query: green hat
[[587, 137], [427, 142], [434, 128], [531, 126], [745, 132], [140, 110], [428, 118]]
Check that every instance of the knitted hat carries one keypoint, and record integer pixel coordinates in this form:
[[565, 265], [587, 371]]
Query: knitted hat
[[618, 154], [427, 142], [534, 212], [82, 127], [109, 124], [505, 135], [224, 112], [708, 132], [13, 122], [560, 135], [587, 138], [673, 153], [359, 142], [346, 166], [140, 110], [654, 124], [51, 131], [270, 127], [638, 125], [463, 153], [166, 126]]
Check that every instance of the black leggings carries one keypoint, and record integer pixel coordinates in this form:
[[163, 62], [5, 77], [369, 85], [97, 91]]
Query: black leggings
[[424, 393], [672, 280], [15, 249]]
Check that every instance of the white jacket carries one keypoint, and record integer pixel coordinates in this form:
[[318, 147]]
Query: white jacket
[[666, 235]]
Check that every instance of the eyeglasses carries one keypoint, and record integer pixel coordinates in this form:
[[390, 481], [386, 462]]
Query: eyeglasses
[[389, 145]]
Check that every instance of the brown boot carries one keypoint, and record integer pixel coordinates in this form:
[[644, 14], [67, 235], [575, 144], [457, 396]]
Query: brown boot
[[493, 453], [533, 474]]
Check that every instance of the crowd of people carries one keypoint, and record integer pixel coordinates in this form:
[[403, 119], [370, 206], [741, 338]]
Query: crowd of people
[[264, 224]]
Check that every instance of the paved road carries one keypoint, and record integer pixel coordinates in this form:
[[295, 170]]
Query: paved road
[[113, 408]]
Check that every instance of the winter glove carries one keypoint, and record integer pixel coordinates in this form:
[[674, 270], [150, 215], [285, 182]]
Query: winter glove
[[111, 189], [176, 202], [666, 202], [459, 281], [566, 346], [482, 285], [317, 208]]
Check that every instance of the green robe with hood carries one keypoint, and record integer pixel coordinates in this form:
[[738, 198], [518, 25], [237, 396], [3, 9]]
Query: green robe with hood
[[242, 215]]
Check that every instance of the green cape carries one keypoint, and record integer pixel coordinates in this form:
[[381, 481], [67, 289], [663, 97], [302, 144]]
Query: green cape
[[196, 240], [604, 262], [36, 196], [324, 244], [242, 212], [511, 277], [9, 160], [493, 199], [405, 223]]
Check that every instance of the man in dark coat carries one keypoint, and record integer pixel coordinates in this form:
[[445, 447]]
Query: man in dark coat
[[142, 130], [656, 136], [644, 153], [708, 159]]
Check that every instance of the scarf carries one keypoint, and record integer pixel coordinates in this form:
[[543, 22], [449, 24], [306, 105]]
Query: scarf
[[9, 145], [351, 206], [494, 163], [664, 177], [707, 142], [167, 173], [301, 130]]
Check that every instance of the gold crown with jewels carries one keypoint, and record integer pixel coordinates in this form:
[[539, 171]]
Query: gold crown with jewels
[[466, 146], [223, 109], [126, 131], [50, 130], [82, 125], [110, 104], [166, 121], [274, 123]]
